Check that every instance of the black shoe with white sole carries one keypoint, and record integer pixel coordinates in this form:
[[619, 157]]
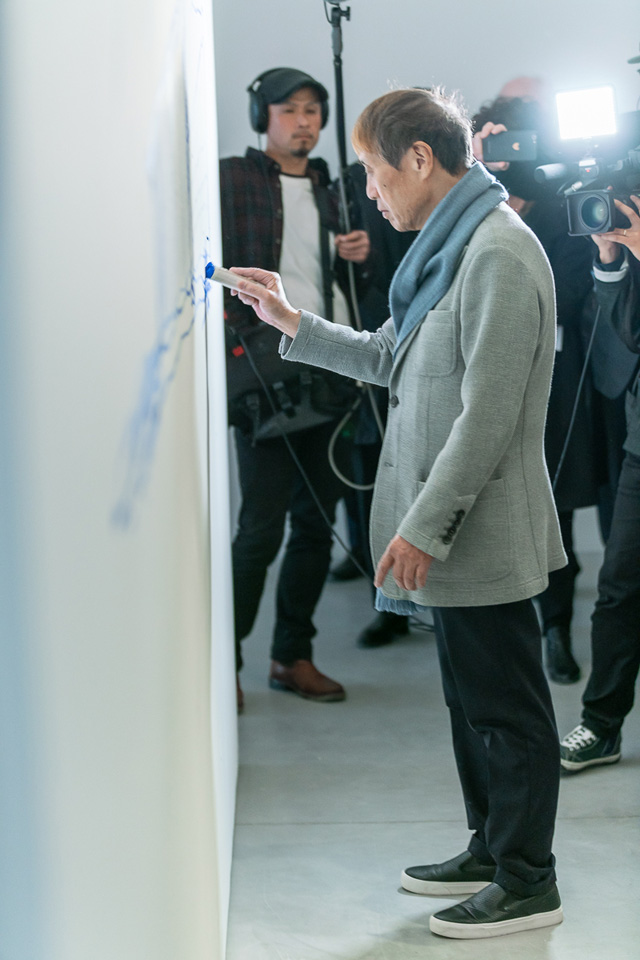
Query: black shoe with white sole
[[463, 874], [583, 748], [494, 912]]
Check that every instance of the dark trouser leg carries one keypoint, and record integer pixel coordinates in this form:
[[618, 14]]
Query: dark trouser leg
[[611, 432], [266, 474], [556, 602], [615, 631], [504, 736], [306, 560]]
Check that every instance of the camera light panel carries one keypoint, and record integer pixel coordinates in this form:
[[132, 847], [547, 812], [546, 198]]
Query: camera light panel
[[584, 114]]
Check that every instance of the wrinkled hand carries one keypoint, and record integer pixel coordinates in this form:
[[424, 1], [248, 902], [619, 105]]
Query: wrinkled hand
[[354, 246], [410, 564], [629, 237], [481, 135], [263, 291]]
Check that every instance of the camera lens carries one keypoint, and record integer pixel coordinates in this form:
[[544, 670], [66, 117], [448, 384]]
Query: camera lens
[[594, 213]]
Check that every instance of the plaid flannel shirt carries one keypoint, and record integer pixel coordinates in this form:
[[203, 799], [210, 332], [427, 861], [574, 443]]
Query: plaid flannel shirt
[[251, 207]]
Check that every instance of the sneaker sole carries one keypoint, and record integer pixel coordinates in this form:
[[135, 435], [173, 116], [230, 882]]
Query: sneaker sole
[[479, 931], [573, 767], [439, 888]]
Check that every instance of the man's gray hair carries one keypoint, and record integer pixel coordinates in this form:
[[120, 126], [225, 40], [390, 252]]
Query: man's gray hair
[[394, 122]]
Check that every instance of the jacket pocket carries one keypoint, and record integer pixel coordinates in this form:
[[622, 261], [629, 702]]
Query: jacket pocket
[[434, 350], [482, 549]]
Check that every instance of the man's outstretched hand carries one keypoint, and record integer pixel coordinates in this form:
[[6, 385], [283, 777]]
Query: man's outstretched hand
[[263, 291]]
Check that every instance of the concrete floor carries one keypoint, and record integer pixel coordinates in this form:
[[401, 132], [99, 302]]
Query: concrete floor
[[335, 799]]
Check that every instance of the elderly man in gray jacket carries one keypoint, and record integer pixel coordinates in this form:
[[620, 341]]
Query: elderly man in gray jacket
[[463, 519]]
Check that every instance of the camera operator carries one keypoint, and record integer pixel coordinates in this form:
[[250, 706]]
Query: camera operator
[[277, 209], [615, 628], [570, 259]]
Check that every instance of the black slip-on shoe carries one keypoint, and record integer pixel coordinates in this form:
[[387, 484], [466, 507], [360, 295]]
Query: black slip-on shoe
[[383, 629], [561, 664], [462, 874], [494, 912]]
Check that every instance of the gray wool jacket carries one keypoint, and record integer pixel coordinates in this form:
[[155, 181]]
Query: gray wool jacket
[[462, 473]]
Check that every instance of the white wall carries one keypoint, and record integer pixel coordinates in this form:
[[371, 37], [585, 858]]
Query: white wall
[[116, 799], [465, 45]]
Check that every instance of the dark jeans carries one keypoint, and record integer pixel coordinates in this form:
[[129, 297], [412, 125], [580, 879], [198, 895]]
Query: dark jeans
[[504, 737], [271, 487], [615, 626]]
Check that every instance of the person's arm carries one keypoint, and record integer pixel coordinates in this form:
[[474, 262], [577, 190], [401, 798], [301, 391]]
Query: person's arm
[[617, 277], [309, 339]]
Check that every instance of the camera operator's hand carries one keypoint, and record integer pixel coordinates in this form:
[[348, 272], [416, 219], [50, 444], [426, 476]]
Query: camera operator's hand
[[481, 135], [354, 246], [608, 243], [263, 291], [608, 250]]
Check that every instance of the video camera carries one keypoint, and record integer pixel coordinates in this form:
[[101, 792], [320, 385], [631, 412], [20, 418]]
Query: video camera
[[588, 119], [596, 158]]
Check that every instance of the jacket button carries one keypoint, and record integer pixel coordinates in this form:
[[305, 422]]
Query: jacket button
[[393, 401]]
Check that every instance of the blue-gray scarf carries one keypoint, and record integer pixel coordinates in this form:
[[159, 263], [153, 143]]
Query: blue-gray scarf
[[426, 272]]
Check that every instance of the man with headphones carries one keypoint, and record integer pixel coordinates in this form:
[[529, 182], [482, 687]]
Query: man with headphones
[[277, 209]]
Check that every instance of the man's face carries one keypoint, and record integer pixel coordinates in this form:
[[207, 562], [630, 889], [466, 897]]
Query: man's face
[[399, 194], [294, 126]]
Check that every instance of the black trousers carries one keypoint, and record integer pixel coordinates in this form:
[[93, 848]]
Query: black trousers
[[272, 487], [615, 625], [556, 602], [504, 737]]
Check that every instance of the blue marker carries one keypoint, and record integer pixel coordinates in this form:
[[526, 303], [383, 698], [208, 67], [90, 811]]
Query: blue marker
[[220, 275]]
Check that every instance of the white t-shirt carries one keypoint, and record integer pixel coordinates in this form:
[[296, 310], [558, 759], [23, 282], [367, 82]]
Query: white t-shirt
[[300, 258]]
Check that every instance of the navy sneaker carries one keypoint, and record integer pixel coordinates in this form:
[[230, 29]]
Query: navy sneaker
[[582, 748]]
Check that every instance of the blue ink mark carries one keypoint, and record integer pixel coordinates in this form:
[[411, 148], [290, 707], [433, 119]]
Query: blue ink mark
[[159, 371], [209, 270]]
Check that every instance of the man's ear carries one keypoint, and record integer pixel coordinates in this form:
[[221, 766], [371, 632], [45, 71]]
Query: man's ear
[[422, 156]]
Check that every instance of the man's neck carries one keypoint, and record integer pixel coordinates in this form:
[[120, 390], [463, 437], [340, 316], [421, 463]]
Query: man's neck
[[296, 166], [443, 183]]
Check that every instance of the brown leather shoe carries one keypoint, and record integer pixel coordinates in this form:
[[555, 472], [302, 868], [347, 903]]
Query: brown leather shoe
[[239, 695], [303, 678]]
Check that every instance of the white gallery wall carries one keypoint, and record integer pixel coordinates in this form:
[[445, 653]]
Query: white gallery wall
[[118, 749], [465, 45]]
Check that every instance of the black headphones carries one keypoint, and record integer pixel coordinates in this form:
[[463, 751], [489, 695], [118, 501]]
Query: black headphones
[[274, 86]]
